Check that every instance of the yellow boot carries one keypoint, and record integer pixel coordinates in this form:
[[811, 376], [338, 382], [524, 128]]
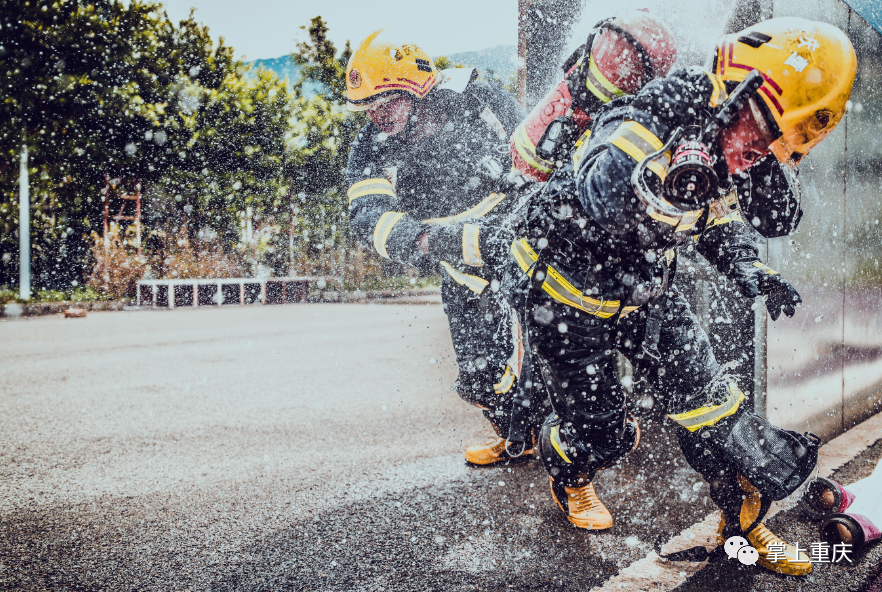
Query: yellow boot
[[774, 554], [581, 505], [491, 452]]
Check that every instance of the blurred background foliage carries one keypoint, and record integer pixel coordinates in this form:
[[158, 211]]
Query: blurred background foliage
[[241, 173]]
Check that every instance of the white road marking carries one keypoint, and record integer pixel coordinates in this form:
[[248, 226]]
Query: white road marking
[[651, 573]]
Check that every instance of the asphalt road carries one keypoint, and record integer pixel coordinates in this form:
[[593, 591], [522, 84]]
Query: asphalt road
[[308, 447]]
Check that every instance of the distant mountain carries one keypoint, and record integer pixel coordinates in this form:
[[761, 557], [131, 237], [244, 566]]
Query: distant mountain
[[283, 67], [502, 60]]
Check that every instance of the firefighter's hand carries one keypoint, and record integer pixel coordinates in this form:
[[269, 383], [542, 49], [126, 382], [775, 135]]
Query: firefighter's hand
[[423, 243], [780, 296]]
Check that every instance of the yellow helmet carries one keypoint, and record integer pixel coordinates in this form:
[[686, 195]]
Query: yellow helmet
[[809, 68], [378, 69]]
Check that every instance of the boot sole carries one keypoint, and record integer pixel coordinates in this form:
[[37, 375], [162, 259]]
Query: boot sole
[[527, 455], [584, 525], [784, 568]]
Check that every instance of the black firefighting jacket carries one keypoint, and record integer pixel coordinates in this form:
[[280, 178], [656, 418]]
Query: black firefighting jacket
[[607, 253], [400, 188]]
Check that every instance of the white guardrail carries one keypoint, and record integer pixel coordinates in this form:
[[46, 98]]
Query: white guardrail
[[238, 291]]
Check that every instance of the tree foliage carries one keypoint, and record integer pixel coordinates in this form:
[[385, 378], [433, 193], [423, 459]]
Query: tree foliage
[[118, 90]]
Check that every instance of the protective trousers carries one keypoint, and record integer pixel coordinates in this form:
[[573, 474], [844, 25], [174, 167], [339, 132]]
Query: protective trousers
[[483, 328], [577, 353]]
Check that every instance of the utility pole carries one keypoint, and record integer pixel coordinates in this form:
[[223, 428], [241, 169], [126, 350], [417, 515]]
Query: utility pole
[[24, 228]]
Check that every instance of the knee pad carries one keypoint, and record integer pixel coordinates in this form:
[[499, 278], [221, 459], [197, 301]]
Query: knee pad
[[774, 460], [568, 457]]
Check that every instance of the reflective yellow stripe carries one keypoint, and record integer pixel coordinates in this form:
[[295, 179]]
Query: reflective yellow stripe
[[638, 142], [505, 382], [472, 282], [383, 229], [482, 209], [527, 149], [581, 149], [733, 217], [765, 268], [555, 441], [598, 84], [524, 255], [662, 218], [719, 93], [708, 416], [471, 248], [688, 220], [556, 286], [670, 254], [370, 186]]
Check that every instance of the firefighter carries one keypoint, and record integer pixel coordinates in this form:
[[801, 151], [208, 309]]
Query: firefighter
[[432, 161], [593, 275], [426, 181]]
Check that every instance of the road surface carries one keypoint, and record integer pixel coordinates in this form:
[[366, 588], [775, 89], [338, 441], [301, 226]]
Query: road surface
[[307, 447]]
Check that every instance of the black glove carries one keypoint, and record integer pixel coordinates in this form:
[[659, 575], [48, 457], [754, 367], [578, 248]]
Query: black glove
[[448, 243], [780, 296]]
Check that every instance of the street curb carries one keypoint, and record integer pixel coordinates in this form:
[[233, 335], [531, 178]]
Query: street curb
[[652, 573], [416, 296], [13, 309]]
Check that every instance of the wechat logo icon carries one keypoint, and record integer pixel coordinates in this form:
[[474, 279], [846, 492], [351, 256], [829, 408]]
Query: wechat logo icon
[[737, 547]]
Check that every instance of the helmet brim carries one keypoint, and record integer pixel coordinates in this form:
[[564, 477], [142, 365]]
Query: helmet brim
[[373, 102]]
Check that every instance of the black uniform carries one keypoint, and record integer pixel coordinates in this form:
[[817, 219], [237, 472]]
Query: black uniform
[[603, 284], [401, 188]]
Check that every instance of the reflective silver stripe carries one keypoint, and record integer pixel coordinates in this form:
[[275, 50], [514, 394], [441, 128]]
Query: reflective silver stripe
[[383, 229], [472, 282], [471, 248], [709, 415]]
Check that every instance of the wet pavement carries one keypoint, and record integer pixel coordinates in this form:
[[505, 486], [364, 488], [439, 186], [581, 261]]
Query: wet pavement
[[312, 447]]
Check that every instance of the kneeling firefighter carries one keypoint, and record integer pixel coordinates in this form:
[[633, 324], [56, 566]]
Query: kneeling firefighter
[[683, 159], [431, 161]]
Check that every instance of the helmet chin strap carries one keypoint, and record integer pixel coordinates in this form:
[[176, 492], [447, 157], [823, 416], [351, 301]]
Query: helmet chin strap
[[410, 126]]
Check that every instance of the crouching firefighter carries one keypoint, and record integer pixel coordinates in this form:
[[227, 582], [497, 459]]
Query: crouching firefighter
[[594, 273], [429, 165]]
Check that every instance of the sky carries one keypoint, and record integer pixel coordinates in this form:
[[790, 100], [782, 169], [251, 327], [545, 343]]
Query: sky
[[268, 28]]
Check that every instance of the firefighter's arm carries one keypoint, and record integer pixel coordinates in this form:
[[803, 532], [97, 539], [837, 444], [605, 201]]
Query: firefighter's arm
[[502, 103], [731, 246], [625, 133], [373, 213]]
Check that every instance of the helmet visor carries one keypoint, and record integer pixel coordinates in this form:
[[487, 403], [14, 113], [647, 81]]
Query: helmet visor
[[372, 102]]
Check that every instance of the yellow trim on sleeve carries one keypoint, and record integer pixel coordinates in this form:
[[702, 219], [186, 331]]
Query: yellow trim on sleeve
[[638, 142], [472, 282], [484, 207], [471, 246], [377, 186], [383, 229]]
